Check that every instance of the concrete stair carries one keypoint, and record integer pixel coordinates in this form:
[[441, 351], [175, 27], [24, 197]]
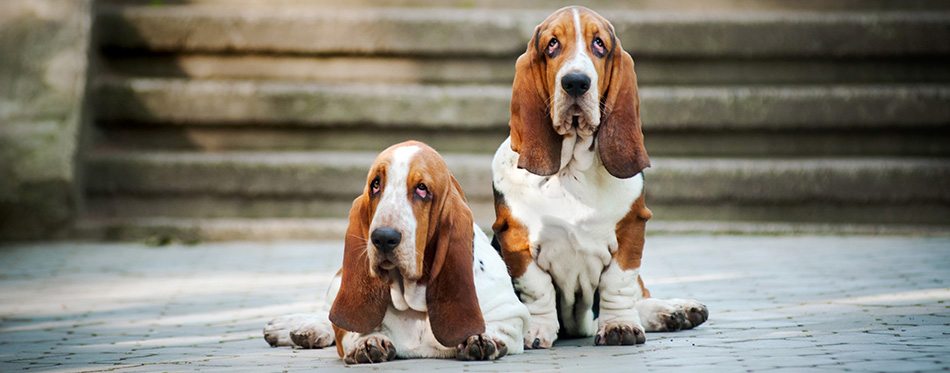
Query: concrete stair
[[243, 119], [865, 117]]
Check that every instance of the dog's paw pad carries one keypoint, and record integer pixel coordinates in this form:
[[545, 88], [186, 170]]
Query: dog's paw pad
[[696, 314], [373, 349], [620, 335], [673, 321], [482, 347], [309, 337]]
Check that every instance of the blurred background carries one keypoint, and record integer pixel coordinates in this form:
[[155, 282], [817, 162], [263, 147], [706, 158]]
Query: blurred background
[[240, 119]]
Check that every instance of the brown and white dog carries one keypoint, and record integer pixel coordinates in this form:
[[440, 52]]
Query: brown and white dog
[[569, 202], [419, 278]]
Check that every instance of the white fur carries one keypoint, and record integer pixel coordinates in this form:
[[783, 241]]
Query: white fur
[[408, 295], [619, 295], [537, 292], [394, 211], [505, 317], [571, 218], [408, 331]]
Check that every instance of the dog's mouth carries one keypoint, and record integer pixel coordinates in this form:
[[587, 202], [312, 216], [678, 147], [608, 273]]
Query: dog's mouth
[[576, 116], [575, 112], [389, 272], [574, 121], [387, 265]]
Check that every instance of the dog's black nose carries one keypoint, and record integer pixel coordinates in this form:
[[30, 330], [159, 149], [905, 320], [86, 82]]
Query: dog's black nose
[[385, 239], [575, 84]]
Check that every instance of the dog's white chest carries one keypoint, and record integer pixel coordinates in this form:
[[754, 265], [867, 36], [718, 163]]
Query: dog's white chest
[[571, 216]]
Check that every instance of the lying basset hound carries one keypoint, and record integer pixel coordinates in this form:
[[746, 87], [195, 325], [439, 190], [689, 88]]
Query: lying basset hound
[[569, 201], [419, 278]]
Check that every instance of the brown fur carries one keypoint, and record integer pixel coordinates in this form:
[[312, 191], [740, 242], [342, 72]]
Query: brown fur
[[362, 300], [338, 337], [646, 293], [620, 137], [631, 234], [532, 132], [513, 238]]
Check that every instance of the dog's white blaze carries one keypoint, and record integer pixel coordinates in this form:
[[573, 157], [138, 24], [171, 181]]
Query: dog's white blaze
[[395, 211], [578, 35], [577, 140]]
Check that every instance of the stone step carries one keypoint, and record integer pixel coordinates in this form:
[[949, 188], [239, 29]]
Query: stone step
[[482, 107], [186, 190], [329, 175], [651, 71], [479, 33], [162, 231], [689, 5], [340, 176], [187, 207], [933, 142], [112, 207]]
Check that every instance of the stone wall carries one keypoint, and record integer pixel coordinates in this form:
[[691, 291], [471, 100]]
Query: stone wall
[[44, 61]]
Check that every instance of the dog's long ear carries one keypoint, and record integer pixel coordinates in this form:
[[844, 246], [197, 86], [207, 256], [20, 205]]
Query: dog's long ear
[[451, 300], [362, 300], [532, 131], [619, 136]]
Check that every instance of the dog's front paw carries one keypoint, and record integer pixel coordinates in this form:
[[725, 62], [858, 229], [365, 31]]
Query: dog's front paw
[[540, 336], [312, 336], [371, 349], [616, 334], [482, 347], [696, 312], [279, 331], [668, 319], [276, 333], [671, 315], [307, 331]]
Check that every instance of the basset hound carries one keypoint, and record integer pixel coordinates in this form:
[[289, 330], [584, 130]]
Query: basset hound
[[419, 278], [569, 201]]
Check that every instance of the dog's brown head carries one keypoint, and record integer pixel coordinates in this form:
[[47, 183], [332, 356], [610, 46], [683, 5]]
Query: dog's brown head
[[410, 225], [576, 80]]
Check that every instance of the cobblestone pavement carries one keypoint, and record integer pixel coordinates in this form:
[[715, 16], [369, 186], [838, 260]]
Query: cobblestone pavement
[[800, 303]]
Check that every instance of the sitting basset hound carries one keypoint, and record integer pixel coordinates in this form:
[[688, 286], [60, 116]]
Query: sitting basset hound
[[419, 278], [569, 201]]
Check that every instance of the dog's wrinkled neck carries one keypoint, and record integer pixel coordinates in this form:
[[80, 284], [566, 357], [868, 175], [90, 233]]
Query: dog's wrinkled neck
[[406, 294]]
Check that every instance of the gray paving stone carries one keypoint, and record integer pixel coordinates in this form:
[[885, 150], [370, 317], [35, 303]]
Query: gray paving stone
[[777, 303]]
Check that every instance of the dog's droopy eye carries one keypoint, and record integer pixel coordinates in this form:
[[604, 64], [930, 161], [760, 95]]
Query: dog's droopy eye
[[553, 46], [422, 190], [598, 47], [374, 186]]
